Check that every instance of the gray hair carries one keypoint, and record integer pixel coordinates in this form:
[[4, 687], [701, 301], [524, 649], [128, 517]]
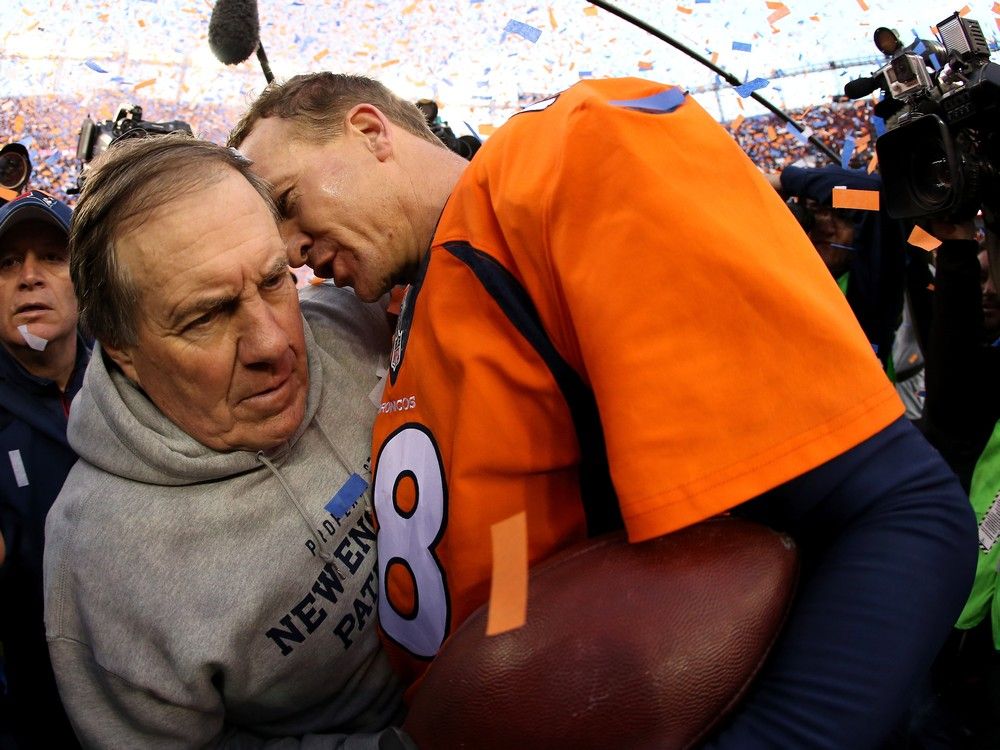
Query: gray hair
[[128, 181]]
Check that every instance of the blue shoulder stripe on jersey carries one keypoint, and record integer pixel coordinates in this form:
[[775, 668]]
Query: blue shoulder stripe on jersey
[[662, 103]]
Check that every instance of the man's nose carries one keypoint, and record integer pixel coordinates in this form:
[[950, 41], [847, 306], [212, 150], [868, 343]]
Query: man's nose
[[31, 272], [262, 340], [297, 244]]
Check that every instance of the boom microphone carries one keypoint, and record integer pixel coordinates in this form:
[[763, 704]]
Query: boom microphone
[[862, 87], [234, 34], [233, 30]]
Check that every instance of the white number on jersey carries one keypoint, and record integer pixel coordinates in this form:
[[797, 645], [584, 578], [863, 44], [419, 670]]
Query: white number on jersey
[[408, 538]]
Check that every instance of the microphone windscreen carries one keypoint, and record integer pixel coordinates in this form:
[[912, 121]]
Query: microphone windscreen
[[234, 30], [861, 87]]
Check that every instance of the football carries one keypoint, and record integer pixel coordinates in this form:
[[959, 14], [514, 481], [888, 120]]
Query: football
[[647, 645]]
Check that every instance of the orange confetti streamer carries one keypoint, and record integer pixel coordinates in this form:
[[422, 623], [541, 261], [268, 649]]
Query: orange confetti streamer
[[737, 121], [996, 8], [552, 18], [814, 18], [142, 23], [144, 84], [682, 9], [409, 9], [863, 4], [387, 63], [966, 10], [862, 200], [18, 124], [590, 10], [714, 58], [919, 238], [508, 606], [324, 52], [778, 15]]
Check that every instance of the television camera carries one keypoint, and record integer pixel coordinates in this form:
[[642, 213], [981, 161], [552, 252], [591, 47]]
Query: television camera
[[465, 146], [938, 155], [96, 137]]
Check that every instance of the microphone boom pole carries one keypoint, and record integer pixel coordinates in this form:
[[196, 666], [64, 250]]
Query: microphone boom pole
[[264, 65], [728, 77]]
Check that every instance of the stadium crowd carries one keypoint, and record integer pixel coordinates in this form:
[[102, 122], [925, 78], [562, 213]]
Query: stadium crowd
[[50, 126], [929, 317]]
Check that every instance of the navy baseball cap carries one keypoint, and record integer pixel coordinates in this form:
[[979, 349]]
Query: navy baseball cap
[[35, 205]]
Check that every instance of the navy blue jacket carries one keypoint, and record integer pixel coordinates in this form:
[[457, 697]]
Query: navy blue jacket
[[35, 458], [878, 263]]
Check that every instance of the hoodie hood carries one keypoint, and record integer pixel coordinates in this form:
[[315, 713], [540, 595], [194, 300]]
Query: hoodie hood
[[114, 426]]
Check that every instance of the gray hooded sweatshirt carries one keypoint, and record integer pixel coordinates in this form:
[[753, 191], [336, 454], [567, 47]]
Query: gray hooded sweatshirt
[[198, 598]]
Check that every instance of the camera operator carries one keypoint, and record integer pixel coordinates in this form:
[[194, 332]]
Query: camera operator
[[864, 250], [960, 419], [465, 146]]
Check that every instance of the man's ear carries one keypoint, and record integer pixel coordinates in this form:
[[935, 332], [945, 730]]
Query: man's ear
[[368, 121], [123, 358]]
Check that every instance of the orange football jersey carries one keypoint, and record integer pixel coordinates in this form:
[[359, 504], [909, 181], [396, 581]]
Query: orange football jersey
[[665, 270]]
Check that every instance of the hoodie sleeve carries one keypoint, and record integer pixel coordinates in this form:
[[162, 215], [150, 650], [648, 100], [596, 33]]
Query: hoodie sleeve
[[108, 711]]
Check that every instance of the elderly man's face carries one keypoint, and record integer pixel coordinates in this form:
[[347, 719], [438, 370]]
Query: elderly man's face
[[35, 287], [220, 343]]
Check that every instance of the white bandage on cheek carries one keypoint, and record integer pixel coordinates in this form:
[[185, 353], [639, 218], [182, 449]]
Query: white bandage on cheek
[[35, 342]]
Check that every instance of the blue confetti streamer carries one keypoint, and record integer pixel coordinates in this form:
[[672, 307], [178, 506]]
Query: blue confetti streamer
[[664, 102], [845, 156], [745, 89], [346, 496], [741, 46], [522, 29], [94, 66], [799, 135]]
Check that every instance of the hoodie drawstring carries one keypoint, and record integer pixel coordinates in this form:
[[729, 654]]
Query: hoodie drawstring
[[324, 555]]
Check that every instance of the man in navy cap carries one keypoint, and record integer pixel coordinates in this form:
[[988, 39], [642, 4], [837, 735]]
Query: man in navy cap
[[42, 360]]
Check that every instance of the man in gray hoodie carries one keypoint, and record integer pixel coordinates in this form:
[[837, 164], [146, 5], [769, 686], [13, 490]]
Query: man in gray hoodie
[[209, 569]]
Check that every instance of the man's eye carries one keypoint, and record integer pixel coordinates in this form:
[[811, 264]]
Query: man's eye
[[200, 322], [8, 263], [275, 282], [286, 204]]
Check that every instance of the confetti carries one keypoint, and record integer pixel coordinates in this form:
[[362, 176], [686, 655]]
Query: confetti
[[522, 29], [746, 89], [508, 602], [924, 240], [863, 200], [741, 46]]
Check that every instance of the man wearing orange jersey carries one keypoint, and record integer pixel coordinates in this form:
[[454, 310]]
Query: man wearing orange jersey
[[613, 319]]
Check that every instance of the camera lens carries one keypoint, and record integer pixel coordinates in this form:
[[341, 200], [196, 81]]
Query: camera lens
[[931, 178], [13, 170]]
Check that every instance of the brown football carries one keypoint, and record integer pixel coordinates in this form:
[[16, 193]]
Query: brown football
[[644, 645]]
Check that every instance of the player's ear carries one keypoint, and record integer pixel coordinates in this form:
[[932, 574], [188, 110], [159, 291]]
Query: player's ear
[[368, 121]]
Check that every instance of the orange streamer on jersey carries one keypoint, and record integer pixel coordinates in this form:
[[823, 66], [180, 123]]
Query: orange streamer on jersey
[[509, 585]]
